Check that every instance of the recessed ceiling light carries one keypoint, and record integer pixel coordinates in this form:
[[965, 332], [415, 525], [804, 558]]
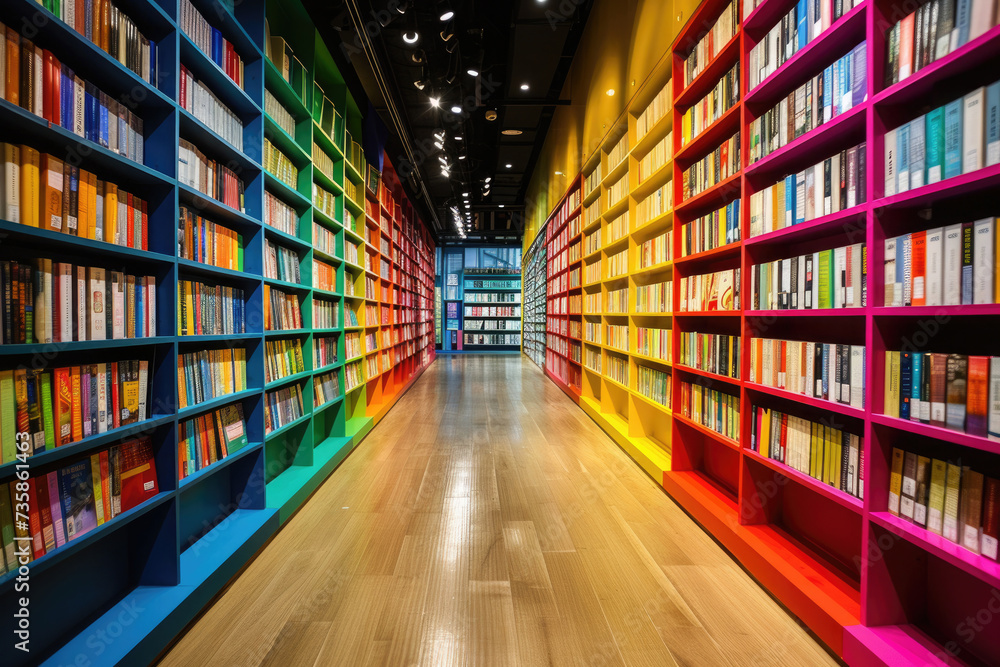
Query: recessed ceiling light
[[456, 109], [458, 138], [465, 194], [411, 36], [501, 205], [435, 102], [472, 72], [512, 133], [559, 173], [447, 16], [508, 165], [488, 179], [438, 145], [468, 206], [524, 86], [420, 85], [611, 92], [461, 157]]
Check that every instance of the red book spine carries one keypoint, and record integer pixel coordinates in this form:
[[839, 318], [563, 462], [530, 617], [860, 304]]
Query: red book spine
[[115, 407], [105, 485], [35, 520], [45, 510], [64, 407], [129, 217], [145, 224]]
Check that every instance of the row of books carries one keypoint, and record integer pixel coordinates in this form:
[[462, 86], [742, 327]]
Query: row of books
[[112, 31], [711, 291], [280, 165], [710, 108], [955, 391], [659, 155], [209, 438], [653, 343], [327, 388], [495, 325], [711, 408], [834, 91], [352, 345], [616, 336], [282, 311], [283, 357], [208, 374], [832, 185], [717, 166], [617, 154], [67, 404], [618, 264], [283, 406], [833, 456], [279, 215], [711, 44], [207, 242], [657, 108], [40, 190], [492, 339], [487, 297], [617, 228], [958, 138], [277, 112], [324, 276], [209, 310], [493, 311], [655, 251], [944, 266], [371, 366], [493, 284], [57, 302], [616, 300], [211, 42], [713, 230], [202, 103], [591, 359], [656, 204], [828, 371], [653, 384], [281, 263], [208, 176], [592, 181], [803, 23], [616, 368], [325, 351], [371, 342], [324, 239], [833, 278], [932, 31], [354, 375], [654, 298], [350, 315], [713, 353], [65, 504], [35, 80], [948, 499], [618, 190]]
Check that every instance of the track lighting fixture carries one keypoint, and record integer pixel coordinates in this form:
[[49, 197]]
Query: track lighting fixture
[[411, 36]]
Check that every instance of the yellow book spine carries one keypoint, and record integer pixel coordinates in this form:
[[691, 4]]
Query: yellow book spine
[[30, 186], [95, 475], [895, 480]]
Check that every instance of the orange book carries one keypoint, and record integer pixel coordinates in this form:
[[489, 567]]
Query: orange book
[[12, 84], [918, 268], [30, 186], [111, 213], [81, 16], [63, 407], [76, 421], [906, 46], [105, 484], [51, 213], [85, 226], [129, 218], [976, 396]]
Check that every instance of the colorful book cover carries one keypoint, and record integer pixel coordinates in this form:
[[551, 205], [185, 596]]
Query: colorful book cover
[[79, 511]]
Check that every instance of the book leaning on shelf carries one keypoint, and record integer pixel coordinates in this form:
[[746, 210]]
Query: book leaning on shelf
[[66, 504], [202, 103], [831, 93], [833, 185], [834, 456], [958, 138], [108, 28], [835, 278], [803, 23], [64, 405], [211, 42], [828, 371], [40, 190], [948, 499], [58, 302], [932, 31], [208, 374], [207, 242], [954, 391], [38, 82], [209, 438], [954, 265], [209, 177]]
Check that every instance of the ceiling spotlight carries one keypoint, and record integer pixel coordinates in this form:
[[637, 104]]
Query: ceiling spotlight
[[501, 205], [559, 173], [442, 159], [438, 145], [491, 115], [511, 133], [508, 165], [611, 92], [411, 36], [465, 194], [447, 33], [461, 157], [468, 206], [524, 86], [435, 102], [417, 57], [447, 16], [420, 85], [472, 72], [403, 6], [488, 179], [456, 109], [458, 137]]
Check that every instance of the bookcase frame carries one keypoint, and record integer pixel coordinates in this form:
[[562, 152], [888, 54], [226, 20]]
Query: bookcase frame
[[875, 588], [160, 563]]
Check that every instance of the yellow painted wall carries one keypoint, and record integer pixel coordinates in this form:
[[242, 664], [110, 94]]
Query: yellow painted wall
[[622, 43]]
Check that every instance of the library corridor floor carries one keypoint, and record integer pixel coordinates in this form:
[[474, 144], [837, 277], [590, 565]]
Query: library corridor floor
[[488, 521]]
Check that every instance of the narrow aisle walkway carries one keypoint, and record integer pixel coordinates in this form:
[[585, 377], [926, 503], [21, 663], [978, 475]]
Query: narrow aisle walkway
[[488, 521]]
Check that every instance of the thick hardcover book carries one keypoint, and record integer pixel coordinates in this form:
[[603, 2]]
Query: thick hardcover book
[[952, 493], [896, 481], [977, 396], [970, 511], [991, 518], [957, 383], [79, 511]]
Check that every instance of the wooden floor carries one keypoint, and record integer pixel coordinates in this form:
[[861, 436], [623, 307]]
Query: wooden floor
[[488, 521]]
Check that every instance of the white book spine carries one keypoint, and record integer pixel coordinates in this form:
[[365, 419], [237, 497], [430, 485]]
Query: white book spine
[[952, 277], [78, 107], [906, 288], [118, 312], [49, 311], [66, 307], [81, 304], [143, 387], [840, 277], [935, 266], [973, 148], [810, 369], [12, 182], [815, 280], [984, 235], [890, 163], [102, 398], [993, 419], [889, 272], [96, 306]]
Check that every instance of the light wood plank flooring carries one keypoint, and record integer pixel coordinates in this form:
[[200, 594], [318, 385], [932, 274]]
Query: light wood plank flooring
[[488, 521]]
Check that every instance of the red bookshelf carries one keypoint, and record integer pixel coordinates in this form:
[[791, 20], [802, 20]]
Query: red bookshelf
[[564, 252]]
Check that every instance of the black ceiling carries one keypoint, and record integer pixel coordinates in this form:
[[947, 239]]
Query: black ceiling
[[510, 44]]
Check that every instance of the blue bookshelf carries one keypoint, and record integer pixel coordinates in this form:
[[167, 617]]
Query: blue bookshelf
[[123, 591]]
